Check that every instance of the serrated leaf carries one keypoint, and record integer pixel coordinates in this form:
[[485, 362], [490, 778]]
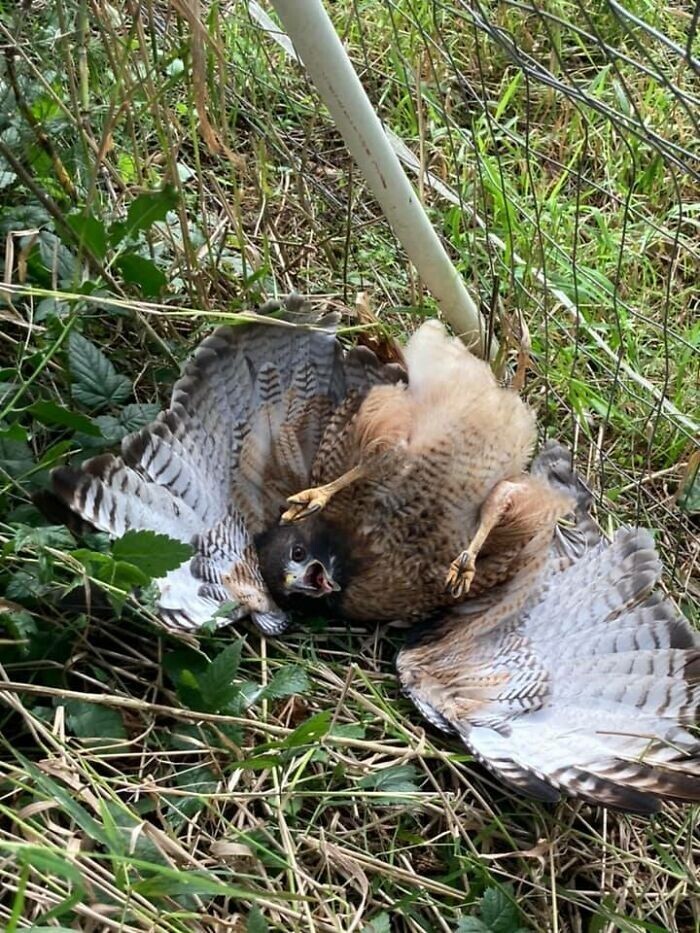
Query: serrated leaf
[[146, 210], [142, 272], [138, 415], [111, 433], [51, 413], [91, 721], [216, 682], [90, 232], [153, 554], [399, 779], [45, 536], [96, 381], [499, 911], [19, 623], [286, 682], [24, 585]]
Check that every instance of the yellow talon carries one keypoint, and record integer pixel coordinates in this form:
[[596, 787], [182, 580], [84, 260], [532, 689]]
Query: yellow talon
[[460, 575]]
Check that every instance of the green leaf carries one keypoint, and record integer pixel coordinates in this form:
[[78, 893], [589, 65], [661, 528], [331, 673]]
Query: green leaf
[[90, 232], [380, 923], [399, 779], [92, 721], [499, 913], [50, 862], [55, 256], [137, 415], [96, 381], [472, 925], [311, 731], [286, 682], [51, 413], [19, 623], [499, 910], [152, 553], [142, 272], [215, 683], [256, 923], [146, 210], [15, 456], [113, 428], [45, 536]]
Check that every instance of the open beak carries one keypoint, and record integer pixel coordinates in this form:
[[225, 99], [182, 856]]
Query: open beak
[[312, 579]]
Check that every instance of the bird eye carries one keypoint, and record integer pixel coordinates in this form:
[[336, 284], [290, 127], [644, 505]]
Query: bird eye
[[298, 552]]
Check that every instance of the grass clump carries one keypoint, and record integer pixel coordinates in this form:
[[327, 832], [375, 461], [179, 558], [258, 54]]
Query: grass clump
[[165, 166]]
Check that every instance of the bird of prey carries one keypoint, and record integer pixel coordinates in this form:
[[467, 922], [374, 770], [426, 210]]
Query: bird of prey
[[300, 471]]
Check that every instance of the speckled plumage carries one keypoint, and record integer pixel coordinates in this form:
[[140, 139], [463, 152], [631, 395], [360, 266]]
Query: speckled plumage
[[431, 456], [563, 669]]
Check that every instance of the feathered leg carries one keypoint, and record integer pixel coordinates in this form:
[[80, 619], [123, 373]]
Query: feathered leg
[[463, 567]]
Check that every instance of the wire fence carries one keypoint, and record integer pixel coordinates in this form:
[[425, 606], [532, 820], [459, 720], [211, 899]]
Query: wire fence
[[557, 145]]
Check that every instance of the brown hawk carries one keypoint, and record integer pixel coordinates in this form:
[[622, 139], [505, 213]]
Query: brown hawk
[[300, 471]]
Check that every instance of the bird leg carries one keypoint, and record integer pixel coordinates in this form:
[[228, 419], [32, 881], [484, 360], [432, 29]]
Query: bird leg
[[312, 500], [494, 507]]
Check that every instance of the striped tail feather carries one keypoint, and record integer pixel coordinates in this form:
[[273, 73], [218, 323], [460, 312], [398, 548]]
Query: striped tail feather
[[591, 690]]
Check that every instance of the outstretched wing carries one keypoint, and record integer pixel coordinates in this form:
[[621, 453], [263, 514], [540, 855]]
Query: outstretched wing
[[264, 387], [584, 683]]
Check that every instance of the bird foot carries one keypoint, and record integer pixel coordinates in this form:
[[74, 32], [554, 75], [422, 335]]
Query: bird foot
[[303, 504], [460, 575]]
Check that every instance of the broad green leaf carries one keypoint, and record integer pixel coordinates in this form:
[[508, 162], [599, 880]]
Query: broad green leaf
[[311, 731], [498, 913], [51, 413], [215, 683], [19, 623], [45, 536], [114, 428], [472, 925], [286, 682], [96, 381], [396, 779], [152, 553], [142, 272], [55, 256], [146, 210], [499, 910], [256, 923], [137, 415], [90, 232], [15, 456], [92, 721], [380, 923]]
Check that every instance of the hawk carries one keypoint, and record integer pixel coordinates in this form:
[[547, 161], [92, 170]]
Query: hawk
[[302, 471]]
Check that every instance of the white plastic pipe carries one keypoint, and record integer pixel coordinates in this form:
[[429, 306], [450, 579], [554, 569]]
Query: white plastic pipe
[[327, 62]]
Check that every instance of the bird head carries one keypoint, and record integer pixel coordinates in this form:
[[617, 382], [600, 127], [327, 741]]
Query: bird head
[[299, 560]]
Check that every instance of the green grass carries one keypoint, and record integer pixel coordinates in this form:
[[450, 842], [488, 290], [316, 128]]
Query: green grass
[[303, 793]]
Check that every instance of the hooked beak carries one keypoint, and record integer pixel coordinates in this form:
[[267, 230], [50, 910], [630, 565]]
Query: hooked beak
[[311, 579]]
